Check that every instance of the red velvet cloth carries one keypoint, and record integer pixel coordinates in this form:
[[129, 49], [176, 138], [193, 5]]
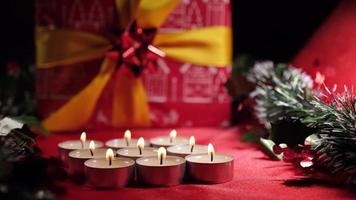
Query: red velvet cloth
[[331, 50], [256, 176]]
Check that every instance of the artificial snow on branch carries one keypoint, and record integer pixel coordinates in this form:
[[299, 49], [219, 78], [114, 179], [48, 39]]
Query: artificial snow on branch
[[285, 95]]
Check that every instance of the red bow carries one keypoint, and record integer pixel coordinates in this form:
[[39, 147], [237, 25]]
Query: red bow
[[134, 49]]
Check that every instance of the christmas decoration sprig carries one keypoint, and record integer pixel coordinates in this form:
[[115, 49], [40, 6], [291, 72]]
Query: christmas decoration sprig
[[285, 97], [24, 172]]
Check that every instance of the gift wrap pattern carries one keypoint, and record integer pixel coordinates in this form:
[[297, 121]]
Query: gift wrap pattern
[[179, 93]]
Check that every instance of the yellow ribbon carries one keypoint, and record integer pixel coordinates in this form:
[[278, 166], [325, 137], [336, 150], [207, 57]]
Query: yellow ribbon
[[204, 46]]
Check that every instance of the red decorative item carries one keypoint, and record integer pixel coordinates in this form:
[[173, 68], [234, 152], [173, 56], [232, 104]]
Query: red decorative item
[[12, 68], [179, 94], [331, 50], [134, 50]]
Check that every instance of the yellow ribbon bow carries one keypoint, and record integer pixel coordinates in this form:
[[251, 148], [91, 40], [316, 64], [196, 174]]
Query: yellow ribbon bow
[[56, 47]]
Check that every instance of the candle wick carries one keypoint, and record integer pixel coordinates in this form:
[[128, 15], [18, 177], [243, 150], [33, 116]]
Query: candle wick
[[91, 152], [171, 140], [127, 142], [140, 150], [192, 148], [82, 144], [110, 161], [211, 157], [161, 160]]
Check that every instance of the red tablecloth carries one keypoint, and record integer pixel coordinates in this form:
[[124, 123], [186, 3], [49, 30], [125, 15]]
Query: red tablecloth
[[256, 177]]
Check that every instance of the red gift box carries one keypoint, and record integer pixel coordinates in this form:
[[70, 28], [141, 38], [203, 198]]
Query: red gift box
[[179, 94]]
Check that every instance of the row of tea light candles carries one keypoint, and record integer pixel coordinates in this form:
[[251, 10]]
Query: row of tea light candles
[[153, 167]]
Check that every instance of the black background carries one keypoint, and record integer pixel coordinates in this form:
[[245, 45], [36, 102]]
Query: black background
[[276, 29], [17, 32], [270, 29]]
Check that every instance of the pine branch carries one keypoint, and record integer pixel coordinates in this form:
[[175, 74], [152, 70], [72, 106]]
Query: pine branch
[[284, 94]]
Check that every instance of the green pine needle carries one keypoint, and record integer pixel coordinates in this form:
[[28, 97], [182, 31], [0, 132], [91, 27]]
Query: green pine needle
[[285, 95]]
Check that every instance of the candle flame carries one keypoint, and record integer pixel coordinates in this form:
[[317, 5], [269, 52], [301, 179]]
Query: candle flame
[[192, 141], [172, 135], [83, 137], [127, 135], [161, 154], [91, 147], [211, 151], [141, 143], [109, 155]]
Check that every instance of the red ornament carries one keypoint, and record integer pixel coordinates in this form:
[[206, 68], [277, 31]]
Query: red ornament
[[134, 50], [12, 68]]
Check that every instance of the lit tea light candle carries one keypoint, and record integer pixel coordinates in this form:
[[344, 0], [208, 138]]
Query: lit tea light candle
[[138, 152], [184, 150], [67, 146], [160, 170], [78, 157], [109, 172], [210, 167], [120, 143], [169, 141]]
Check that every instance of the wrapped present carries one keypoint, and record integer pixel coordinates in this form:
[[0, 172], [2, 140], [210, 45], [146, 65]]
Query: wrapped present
[[330, 52], [132, 63]]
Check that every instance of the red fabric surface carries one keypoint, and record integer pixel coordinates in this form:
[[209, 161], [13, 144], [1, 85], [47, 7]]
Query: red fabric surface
[[331, 50], [256, 176]]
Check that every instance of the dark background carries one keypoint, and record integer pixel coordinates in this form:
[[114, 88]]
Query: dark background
[[273, 29], [17, 32], [276, 29]]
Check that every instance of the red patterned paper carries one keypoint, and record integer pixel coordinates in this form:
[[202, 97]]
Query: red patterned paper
[[180, 94]]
